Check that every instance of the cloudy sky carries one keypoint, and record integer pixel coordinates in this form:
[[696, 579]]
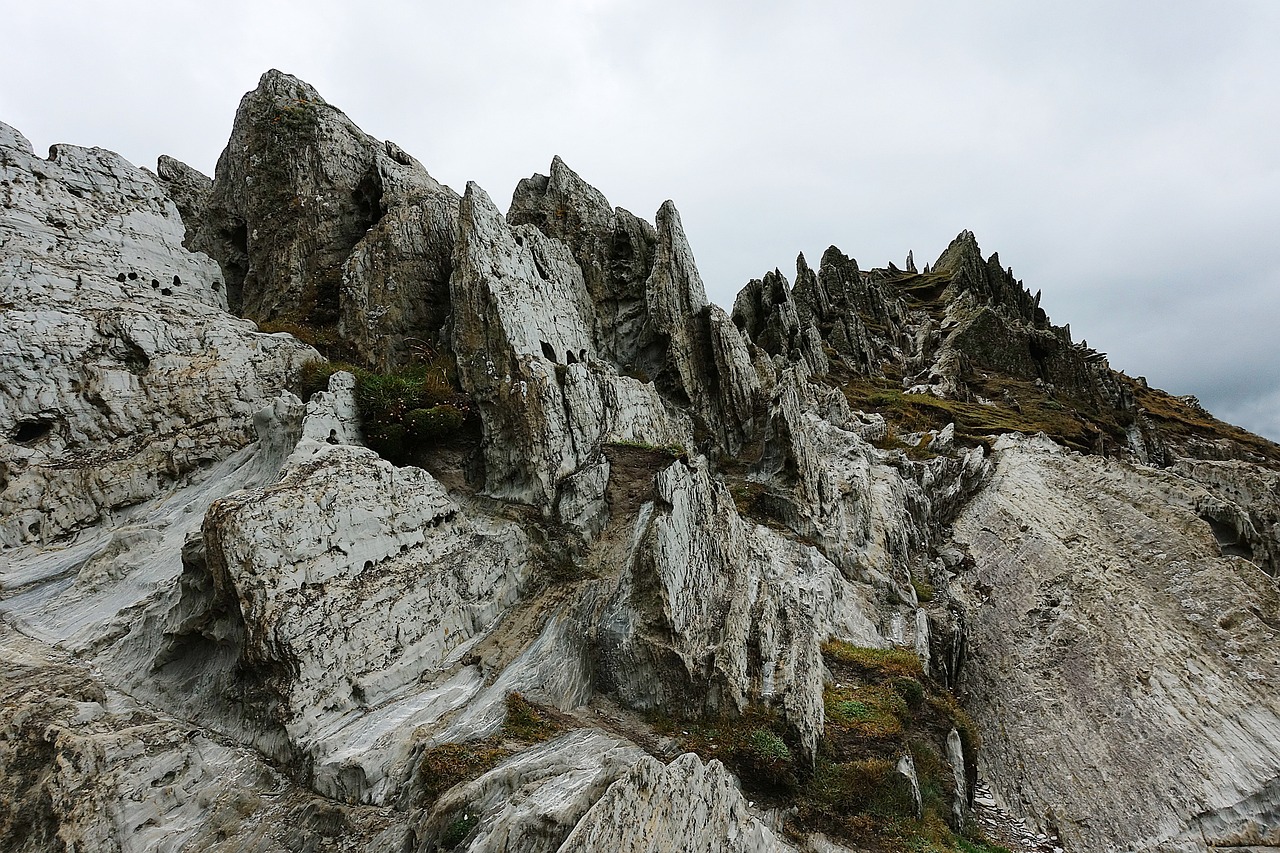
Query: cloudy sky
[[1123, 157]]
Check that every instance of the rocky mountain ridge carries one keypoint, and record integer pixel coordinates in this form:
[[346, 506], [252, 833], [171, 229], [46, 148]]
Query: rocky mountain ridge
[[616, 568]]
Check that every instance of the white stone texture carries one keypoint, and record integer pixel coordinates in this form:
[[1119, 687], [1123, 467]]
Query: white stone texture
[[683, 807], [1120, 670]]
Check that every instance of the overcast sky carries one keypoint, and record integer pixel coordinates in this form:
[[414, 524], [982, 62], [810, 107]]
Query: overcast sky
[[1122, 157]]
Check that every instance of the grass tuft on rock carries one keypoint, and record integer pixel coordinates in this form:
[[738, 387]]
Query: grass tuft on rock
[[442, 766], [400, 412], [879, 707]]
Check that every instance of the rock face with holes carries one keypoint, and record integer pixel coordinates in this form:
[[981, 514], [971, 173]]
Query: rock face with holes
[[124, 373], [523, 332], [230, 625]]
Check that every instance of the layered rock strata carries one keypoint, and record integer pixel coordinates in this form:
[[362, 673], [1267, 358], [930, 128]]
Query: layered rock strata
[[228, 625]]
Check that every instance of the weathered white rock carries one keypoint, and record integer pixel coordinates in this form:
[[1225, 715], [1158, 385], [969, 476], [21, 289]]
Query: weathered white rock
[[682, 807], [712, 613], [132, 399], [532, 801], [723, 387], [123, 373], [523, 331], [835, 300], [342, 616], [1244, 510], [766, 313], [1120, 670], [614, 250], [872, 513], [357, 580], [959, 776], [86, 768]]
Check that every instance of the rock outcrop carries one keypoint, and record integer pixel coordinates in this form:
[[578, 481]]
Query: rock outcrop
[[527, 356], [642, 576], [684, 806], [127, 381], [1111, 647], [296, 220], [189, 191]]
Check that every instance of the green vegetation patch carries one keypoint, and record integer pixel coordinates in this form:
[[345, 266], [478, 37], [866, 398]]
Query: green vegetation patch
[[874, 663], [924, 291], [1017, 407], [296, 118], [458, 830], [325, 339], [1178, 417], [755, 745], [879, 707], [400, 412], [670, 451]]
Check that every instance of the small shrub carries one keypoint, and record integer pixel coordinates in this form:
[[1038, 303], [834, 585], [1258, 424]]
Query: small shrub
[[399, 412], [748, 496], [458, 830], [435, 422], [323, 338], [674, 451], [768, 746], [871, 785], [910, 690], [448, 764], [636, 373], [851, 710], [872, 711], [314, 376], [924, 590], [752, 745]]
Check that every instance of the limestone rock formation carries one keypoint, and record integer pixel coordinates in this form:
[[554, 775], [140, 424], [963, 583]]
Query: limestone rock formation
[[527, 356], [126, 375], [614, 250], [635, 575], [685, 806]]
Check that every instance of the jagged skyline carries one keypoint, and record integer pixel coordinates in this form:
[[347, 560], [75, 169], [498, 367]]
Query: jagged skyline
[[1119, 161]]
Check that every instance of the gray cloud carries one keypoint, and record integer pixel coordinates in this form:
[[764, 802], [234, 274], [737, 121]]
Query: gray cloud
[[1120, 157]]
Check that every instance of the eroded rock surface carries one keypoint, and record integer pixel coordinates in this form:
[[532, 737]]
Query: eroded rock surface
[[1112, 648], [230, 625], [684, 806], [296, 220]]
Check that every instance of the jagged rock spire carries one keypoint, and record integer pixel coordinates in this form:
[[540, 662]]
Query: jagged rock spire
[[297, 189], [614, 249]]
